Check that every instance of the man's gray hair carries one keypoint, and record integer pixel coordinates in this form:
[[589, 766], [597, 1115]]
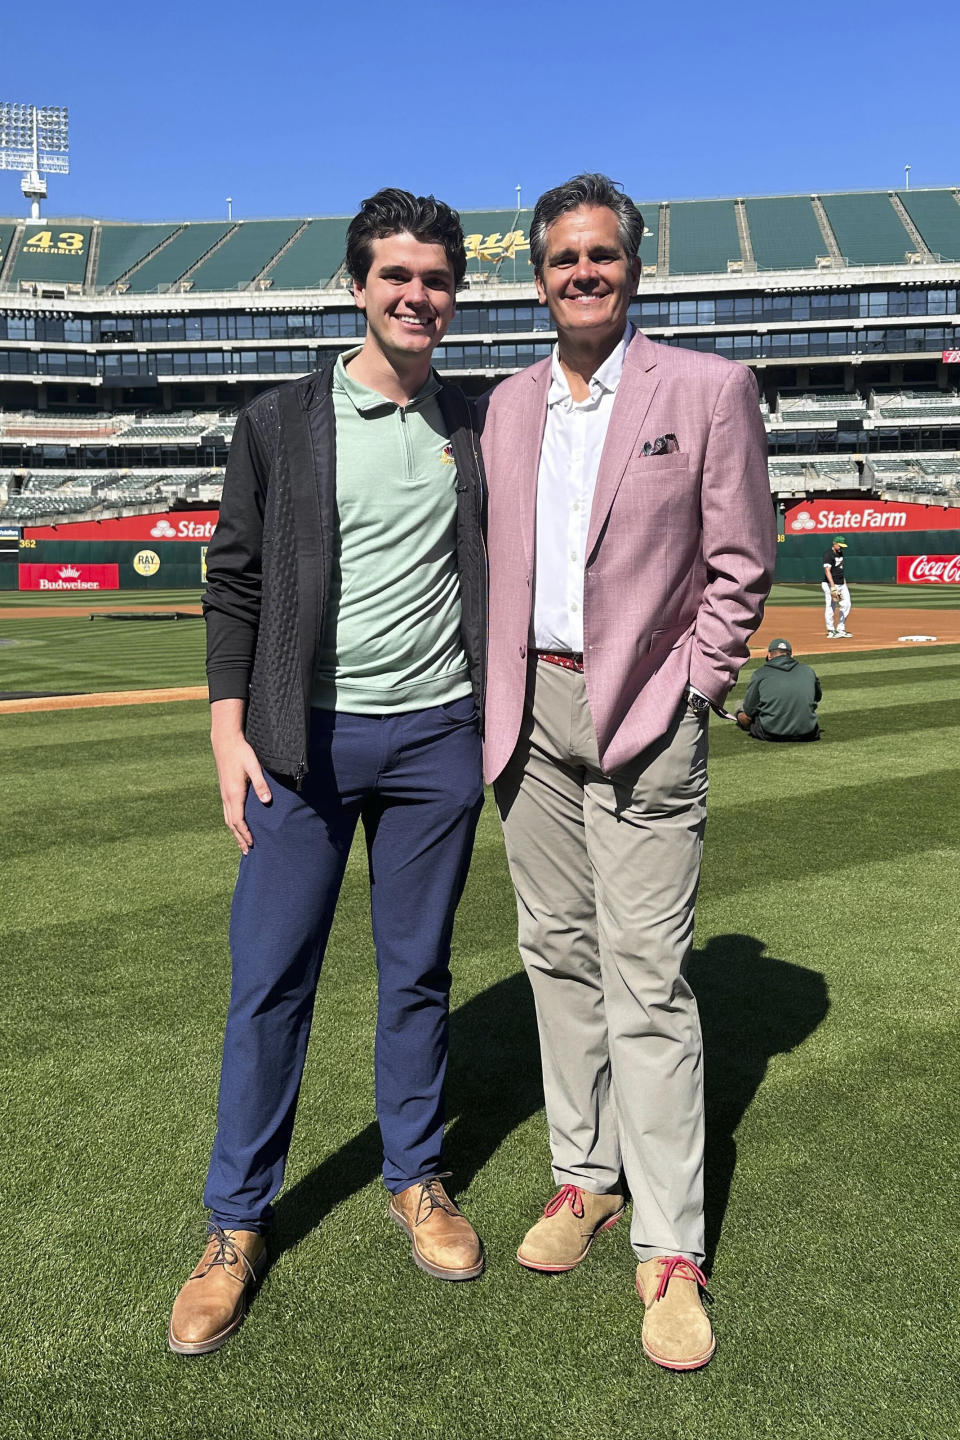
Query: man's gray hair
[[588, 189]]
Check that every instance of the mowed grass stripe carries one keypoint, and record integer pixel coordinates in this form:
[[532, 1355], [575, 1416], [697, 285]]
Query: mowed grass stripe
[[871, 819], [101, 655]]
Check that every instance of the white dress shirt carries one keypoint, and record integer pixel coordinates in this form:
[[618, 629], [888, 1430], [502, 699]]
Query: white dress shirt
[[569, 461]]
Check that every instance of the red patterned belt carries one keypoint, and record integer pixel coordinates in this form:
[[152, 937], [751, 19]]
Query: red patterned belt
[[566, 662]]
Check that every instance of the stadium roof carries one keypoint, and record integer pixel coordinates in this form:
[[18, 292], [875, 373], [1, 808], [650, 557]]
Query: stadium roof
[[749, 235]]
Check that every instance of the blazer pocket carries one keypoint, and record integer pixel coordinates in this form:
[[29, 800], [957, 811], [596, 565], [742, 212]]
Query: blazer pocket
[[659, 464], [671, 636]]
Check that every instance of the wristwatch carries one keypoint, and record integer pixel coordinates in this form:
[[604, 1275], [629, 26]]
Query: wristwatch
[[699, 704]]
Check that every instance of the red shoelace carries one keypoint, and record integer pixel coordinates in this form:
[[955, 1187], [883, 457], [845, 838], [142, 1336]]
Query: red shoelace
[[679, 1265], [570, 1195]]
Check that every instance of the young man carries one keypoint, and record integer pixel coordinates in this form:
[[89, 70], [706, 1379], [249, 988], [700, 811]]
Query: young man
[[782, 698], [345, 609], [631, 543], [836, 592]]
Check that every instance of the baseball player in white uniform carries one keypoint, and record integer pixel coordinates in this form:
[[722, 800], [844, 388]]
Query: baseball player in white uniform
[[836, 593]]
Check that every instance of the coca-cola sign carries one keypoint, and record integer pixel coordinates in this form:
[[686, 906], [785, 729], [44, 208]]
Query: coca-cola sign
[[928, 569]]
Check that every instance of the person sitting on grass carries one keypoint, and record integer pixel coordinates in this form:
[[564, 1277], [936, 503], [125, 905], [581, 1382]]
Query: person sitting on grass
[[781, 699]]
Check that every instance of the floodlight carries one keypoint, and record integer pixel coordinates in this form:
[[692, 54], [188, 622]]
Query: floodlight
[[33, 139]]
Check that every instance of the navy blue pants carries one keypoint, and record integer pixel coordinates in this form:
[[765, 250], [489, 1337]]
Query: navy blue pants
[[413, 779]]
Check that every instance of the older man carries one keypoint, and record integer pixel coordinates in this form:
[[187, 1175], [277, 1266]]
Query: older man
[[631, 544]]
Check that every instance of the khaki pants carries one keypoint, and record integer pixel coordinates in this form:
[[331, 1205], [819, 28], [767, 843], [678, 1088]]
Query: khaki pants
[[606, 869]]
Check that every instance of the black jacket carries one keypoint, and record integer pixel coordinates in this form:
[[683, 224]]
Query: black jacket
[[268, 563]]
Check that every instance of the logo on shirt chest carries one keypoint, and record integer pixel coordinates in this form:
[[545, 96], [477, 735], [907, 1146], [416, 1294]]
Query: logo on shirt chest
[[446, 455]]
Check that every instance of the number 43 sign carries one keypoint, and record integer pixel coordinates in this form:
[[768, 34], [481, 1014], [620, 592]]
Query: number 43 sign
[[48, 242]]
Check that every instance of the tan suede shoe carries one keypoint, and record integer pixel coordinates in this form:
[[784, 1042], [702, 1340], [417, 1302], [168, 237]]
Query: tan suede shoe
[[571, 1221], [676, 1331], [213, 1302], [443, 1241]]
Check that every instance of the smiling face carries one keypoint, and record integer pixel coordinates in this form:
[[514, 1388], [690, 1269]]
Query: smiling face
[[588, 280], [408, 298]]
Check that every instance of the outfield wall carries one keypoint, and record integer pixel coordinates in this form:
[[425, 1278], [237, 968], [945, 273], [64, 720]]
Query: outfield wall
[[160, 565], [869, 558]]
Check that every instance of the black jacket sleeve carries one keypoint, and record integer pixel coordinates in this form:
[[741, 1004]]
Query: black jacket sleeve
[[231, 602]]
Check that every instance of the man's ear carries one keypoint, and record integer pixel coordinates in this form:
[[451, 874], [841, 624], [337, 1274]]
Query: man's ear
[[359, 295]]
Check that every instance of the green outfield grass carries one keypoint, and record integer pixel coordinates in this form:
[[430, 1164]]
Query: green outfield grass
[[64, 654], [70, 654], [826, 970]]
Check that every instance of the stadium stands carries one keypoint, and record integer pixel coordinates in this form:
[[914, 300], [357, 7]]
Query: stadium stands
[[868, 229], [7, 231], [936, 214], [926, 405], [819, 409], [128, 398], [313, 258], [703, 237], [175, 258], [52, 251], [123, 246], [240, 259], [784, 233]]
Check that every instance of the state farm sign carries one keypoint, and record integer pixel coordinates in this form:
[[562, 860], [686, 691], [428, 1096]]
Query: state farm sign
[[832, 517], [169, 525], [928, 569], [69, 577]]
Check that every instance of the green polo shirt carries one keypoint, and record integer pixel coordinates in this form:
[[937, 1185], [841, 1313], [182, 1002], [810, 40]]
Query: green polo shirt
[[391, 639]]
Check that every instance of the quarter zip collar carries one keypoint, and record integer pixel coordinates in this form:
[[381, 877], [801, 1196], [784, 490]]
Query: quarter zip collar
[[369, 402]]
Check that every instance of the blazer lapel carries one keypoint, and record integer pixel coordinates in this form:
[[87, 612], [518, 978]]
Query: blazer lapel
[[638, 385], [532, 425]]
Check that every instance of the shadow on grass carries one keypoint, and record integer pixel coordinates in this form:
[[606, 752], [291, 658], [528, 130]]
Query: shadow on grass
[[752, 1007], [493, 1085]]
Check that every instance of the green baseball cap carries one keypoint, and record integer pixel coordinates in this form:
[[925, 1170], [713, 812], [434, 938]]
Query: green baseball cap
[[839, 540], [782, 646]]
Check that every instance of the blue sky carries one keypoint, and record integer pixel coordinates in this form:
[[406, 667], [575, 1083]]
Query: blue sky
[[304, 109]]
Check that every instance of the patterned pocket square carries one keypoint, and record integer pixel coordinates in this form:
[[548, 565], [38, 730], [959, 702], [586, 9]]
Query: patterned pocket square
[[663, 445]]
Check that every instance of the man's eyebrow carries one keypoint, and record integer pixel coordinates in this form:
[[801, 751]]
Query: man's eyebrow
[[595, 252], [403, 272]]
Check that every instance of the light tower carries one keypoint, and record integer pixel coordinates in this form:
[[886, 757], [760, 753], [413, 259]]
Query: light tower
[[33, 139]]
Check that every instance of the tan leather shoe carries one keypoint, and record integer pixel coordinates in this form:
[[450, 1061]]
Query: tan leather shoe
[[213, 1302], [443, 1241], [571, 1221], [676, 1331]]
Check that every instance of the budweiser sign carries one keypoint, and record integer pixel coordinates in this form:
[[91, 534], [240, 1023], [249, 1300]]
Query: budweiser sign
[[69, 577], [928, 569], [951, 357]]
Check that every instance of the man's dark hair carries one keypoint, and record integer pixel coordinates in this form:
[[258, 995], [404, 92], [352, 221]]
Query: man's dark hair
[[587, 189], [393, 212]]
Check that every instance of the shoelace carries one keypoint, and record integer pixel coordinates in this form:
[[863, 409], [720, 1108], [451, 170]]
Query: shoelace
[[570, 1195], [430, 1197], [228, 1253], [675, 1264]]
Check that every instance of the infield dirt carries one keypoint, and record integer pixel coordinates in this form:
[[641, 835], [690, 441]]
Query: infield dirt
[[869, 629]]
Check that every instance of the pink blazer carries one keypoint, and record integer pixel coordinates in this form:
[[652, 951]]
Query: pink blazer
[[680, 547]]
